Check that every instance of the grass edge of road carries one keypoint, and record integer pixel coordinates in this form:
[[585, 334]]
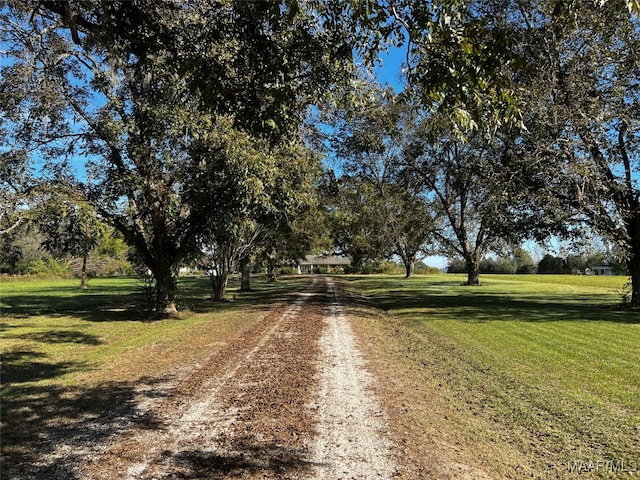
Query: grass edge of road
[[457, 409]]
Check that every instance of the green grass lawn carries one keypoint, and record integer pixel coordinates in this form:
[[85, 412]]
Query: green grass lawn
[[54, 332], [545, 364]]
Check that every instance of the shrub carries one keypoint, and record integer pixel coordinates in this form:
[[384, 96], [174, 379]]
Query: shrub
[[371, 268], [103, 266], [49, 267], [423, 269], [391, 268]]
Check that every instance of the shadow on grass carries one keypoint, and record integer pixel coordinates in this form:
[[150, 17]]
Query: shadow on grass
[[127, 303], [101, 304], [45, 426], [24, 366], [61, 336], [47, 429], [195, 295], [491, 307], [464, 303]]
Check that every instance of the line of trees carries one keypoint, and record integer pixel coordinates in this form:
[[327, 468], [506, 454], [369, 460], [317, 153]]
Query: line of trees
[[521, 262], [178, 112], [520, 122], [183, 125]]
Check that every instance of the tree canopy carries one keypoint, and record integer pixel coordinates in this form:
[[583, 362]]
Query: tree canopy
[[181, 123], [148, 92]]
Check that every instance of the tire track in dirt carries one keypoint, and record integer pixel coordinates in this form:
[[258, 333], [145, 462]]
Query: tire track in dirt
[[351, 438], [235, 416]]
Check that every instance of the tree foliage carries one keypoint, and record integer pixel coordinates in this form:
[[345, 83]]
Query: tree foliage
[[70, 226], [144, 89], [389, 217], [475, 187], [267, 188], [579, 86], [356, 219]]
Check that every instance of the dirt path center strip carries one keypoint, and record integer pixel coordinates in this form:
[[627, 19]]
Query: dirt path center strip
[[351, 441]]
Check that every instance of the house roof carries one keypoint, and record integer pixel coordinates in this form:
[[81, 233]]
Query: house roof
[[329, 260]]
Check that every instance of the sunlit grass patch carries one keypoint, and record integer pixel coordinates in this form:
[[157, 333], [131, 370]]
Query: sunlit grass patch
[[546, 365], [55, 332]]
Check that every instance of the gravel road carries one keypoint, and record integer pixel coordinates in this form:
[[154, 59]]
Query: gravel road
[[291, 398]]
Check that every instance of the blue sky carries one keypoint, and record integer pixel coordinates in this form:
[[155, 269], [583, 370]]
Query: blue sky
[[390, 70]]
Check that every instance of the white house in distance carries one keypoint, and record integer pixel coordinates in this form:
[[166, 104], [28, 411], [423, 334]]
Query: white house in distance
[[599, 270], [331, 262]]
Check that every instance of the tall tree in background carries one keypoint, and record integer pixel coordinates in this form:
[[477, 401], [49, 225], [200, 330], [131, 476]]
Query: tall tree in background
[[357, 219], [475, 188], [591, 69], [412, 226], [369, 143], [552, 88], [574, 69], [266, 188]]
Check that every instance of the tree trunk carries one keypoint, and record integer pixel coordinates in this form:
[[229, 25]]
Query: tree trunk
[[633, 262], [357, 263], [410, 267], [272, 264], [633, 265], [634, 271], [473, 272], [245, 267], [166, 286], [219, 285], [272, 275]]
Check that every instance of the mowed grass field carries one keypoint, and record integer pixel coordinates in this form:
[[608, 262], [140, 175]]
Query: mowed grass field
[[75, 362], [538, 375]]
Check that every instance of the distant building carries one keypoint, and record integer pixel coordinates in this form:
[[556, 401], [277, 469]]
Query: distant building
[[599, 270], [330, 262]]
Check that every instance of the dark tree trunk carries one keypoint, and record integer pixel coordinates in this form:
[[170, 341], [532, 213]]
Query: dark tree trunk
[[219, 285], [409, 266], [473, 272], [409, 262], [272, 264], [633, 264], [166, 287], [245, 282], [272, 274], [357, 263], [634, 271]]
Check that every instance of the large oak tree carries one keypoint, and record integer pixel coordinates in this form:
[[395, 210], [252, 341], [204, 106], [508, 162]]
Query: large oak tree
[[134, 89], [575, 71]]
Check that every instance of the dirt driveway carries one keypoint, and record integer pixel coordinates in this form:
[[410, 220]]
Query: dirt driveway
[[291, 399], [313, 389]]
